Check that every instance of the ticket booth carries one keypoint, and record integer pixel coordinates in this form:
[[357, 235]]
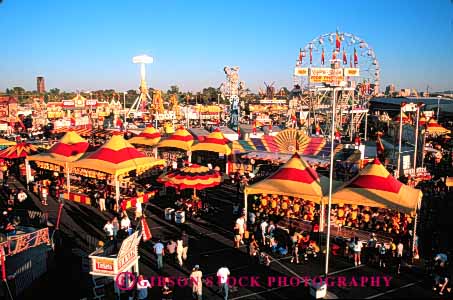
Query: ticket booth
[[105, 262]]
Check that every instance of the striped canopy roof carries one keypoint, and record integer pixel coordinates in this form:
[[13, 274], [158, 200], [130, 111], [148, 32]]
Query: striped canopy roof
[[149, 137], [191, 177], [116, 157], [214, 142], [83, 130], [374, 186], [398, 117], [181, 139], [422, 120], [295, 178], [435, 128], [18, 151], [69, 149], [4, 142]]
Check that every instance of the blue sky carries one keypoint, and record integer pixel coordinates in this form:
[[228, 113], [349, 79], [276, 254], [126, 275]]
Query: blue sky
[[89, 44]]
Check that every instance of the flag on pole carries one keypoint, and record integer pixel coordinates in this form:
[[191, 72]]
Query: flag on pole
[[311, 56], [345, 59], [337, 41], [334, 54], [322, 57], [146, 233], [301, 56], [356, 58]]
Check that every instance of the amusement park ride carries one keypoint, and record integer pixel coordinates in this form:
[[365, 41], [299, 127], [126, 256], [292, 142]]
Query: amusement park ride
[[143, 99], [355, 79]]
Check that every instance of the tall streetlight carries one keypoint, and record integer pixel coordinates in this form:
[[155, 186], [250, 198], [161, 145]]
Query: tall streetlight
[[329, 206], [400, 138], [438, 105]]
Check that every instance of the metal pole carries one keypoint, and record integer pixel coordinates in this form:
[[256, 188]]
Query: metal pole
[[438, 104], [332, 137], [416, 137], [366, 125], [400, 138]]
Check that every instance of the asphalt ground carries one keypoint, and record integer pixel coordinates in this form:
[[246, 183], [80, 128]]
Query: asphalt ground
[[211, 247]]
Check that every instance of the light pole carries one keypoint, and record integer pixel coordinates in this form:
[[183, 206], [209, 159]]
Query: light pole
[[419, 105], [438, 105], [332, 154], [400, 138]]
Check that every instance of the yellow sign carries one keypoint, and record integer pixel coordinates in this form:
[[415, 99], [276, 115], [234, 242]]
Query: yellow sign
[[301, 71], [102, 265], [326, 75], [351, 72]]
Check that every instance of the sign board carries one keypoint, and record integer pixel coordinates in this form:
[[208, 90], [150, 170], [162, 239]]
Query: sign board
[[91, 102], [166, 116], [351, 72], [102, 265], [410, 107], [68, 103], [301, 71], [273, 101], [406, 162], [3, 127], [326, 75]]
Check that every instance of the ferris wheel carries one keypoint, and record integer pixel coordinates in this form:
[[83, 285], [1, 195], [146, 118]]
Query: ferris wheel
[[348, 49]]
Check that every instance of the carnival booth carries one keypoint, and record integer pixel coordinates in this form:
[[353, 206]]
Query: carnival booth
[[374, 200], [212, 148], [15, 154], [113, 162], [177, 146], [56, 160], [292, 192]]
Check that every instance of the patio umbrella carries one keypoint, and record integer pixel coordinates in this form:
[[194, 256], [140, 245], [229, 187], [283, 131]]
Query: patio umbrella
[[20, 150], [435, 128], [192, 177]]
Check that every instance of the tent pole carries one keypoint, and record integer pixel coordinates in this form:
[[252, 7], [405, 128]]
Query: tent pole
[[414, 234], [27, 172], [245, 206], [117, 192], [322, 216]]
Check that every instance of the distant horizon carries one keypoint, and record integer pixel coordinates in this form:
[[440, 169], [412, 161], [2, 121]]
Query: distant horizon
[[89, 45]]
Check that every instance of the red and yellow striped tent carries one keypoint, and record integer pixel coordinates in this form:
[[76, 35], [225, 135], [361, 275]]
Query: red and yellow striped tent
[[83, 130], [435, 128], [149, 137], [181, 139], [4, 142], [20, 150], [214, 142], [69, 149], [374, 186], [296, 179], [192, 177], [117, 157], [398, 117]]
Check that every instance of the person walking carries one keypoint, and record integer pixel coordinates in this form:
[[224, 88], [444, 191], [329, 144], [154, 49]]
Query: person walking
[[185, 245], [142, 289], [126, 224], [167, 290], [222, 278], [101, 202], [240, 222], [159, 250], [399, 256], [357, 248], [138, 210], [179, 250], [108, 229], [196, 279]]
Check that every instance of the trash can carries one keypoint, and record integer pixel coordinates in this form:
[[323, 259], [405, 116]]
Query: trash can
[[318, 290], [180, 217], [168, 213]]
